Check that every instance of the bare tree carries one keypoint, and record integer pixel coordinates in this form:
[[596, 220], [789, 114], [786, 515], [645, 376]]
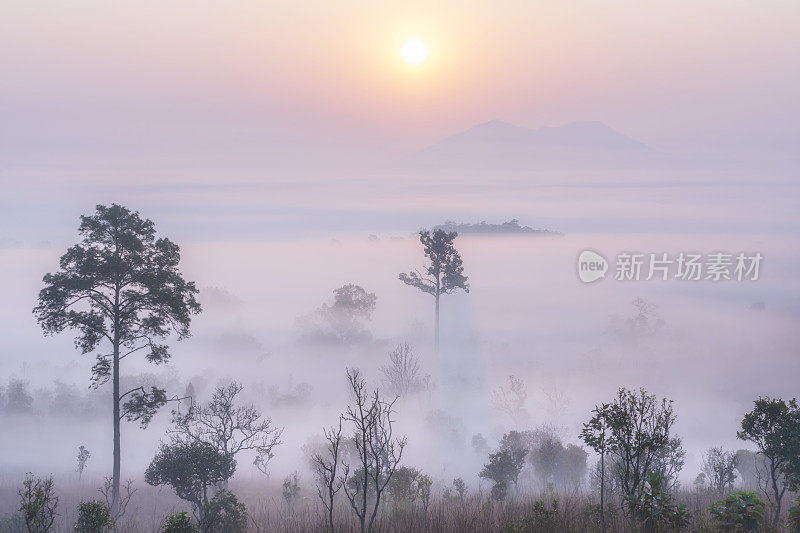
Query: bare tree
[[229, 427], [557, 403], [403, 376], [512, 400], [378, 451], [123, 497], [719, 466], [326, 468]]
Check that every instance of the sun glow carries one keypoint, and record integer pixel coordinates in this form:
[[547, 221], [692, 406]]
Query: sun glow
[[414, 52]]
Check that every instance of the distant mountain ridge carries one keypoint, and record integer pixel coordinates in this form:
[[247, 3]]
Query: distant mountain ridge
[[593, 135], [501, 146]]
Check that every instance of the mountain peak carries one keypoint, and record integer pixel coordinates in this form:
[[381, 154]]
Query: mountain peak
[[497, 145], [582, 135]]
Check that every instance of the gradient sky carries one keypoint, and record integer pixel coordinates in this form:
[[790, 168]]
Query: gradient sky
[[93, 79]]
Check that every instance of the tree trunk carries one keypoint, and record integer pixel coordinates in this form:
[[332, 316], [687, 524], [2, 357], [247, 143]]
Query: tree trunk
[[602, 492], [116, 473], [437, 322], [778, 496]]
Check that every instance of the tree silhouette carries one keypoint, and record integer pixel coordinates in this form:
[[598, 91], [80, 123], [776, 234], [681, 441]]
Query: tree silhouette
[[120, 287], [774, 426], [192, 469], [444, 274]]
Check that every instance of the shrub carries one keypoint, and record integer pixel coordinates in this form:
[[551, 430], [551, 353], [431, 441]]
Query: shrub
[[179, 523], [741, 511], [94, 517], [291, 488], [225, 514], [654, 508], [499, 491], [793, 520], [461, 487], [542, 518], [38, 503]]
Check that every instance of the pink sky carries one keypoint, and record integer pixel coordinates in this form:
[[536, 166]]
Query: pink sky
[[682, 76]]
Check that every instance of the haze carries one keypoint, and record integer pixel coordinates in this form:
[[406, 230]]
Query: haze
[[289, 150]]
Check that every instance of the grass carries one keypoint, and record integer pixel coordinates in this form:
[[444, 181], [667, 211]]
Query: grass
[[268, 512]]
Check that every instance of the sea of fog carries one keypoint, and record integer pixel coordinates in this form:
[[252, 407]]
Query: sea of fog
[[265, 254]]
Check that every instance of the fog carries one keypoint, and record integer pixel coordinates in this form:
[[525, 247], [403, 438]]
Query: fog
[[289, 152], [526, 315]]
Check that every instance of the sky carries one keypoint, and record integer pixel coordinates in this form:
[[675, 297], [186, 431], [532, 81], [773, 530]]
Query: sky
[[91, 81]]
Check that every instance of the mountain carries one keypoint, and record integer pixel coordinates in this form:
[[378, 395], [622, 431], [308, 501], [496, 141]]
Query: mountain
[[579, 135], [498, 145]]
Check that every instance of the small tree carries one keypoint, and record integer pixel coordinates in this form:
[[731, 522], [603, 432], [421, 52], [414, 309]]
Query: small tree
[[546, 458], [94, 517], [444, 274], [83, 457], [291, 488], [18, 399], [774, 426], [38, 503], [572, 467], [325, 468], [404, 487], [342, 321], [719, 466], [638, 427], [424, 484], [192, 469], [503, 468], [597, 435], [228, 427], [403, 376], [121, 286], [378, 451], [668, 463], [511, 400], [461, 488], [225, 514]]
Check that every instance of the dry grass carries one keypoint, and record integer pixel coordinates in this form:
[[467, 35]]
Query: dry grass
[[268, 512]]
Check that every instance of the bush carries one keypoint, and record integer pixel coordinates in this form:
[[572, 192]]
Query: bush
[[654, 509], [179, 523], [793, 521], [499, 491], [225, 514], [741, 511], [543, 518], [38, 503], [94, 517]]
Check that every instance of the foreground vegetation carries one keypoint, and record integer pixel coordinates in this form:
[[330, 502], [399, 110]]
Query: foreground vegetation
[[150, 511], [121, 290]]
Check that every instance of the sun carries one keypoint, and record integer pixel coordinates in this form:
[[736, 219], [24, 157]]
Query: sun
[[414, 52]]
